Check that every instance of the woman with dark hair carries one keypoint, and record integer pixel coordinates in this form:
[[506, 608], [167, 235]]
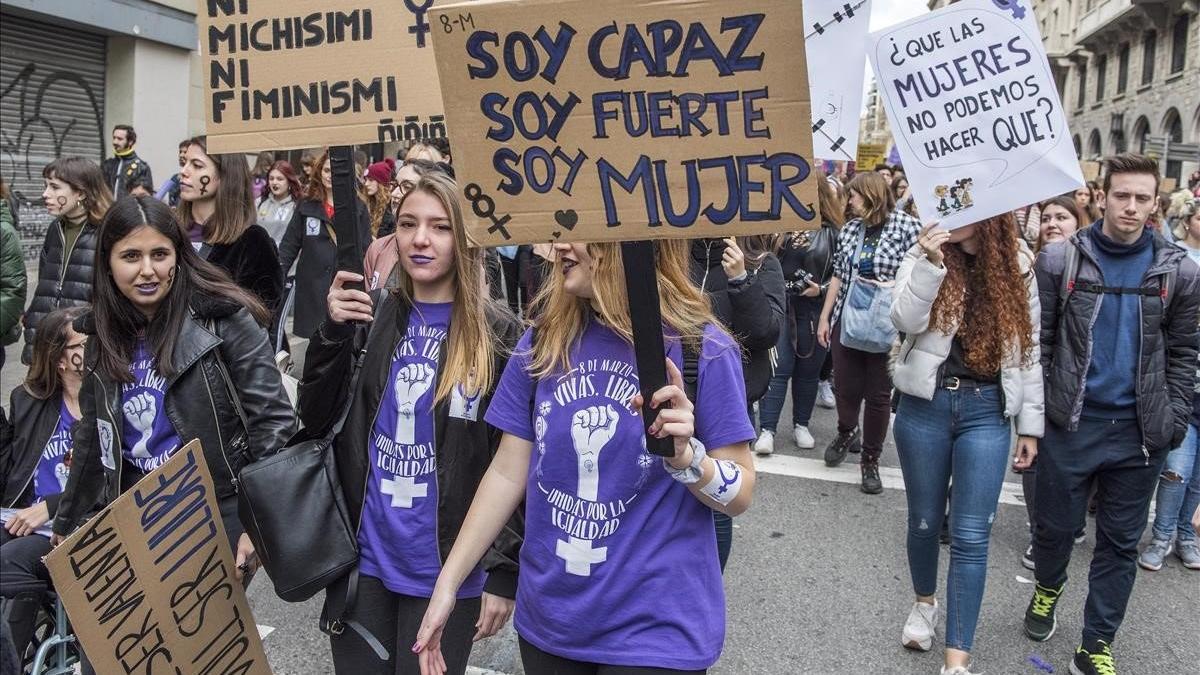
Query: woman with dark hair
[[310, 238], [176, 351], [218, 210], [744, 282], [77, 196], [854, 322], [807, 261], [33, 468], [279, 201], [376, 193], [258, 175], [1060, 217], [968, 370]]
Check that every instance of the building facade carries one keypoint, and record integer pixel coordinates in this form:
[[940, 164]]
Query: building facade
[[70, 70], [1128, 70], [873, 125]]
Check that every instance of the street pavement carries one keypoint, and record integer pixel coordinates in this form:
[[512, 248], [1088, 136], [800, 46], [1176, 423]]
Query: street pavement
[[818, 583]]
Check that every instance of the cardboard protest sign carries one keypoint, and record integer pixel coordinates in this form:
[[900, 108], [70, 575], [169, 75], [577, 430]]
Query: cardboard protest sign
[[869, 154], [148, 582], [597, 121], [280, 75], [974, 110], [835, 41]]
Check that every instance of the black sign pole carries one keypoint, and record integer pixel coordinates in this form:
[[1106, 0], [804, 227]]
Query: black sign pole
[[641, 284], [345, 214]]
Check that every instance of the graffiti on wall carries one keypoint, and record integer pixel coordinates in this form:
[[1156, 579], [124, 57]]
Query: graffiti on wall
[[33, 133]]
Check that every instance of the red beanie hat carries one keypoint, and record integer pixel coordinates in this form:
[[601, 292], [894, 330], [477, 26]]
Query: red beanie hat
[[382, 172]]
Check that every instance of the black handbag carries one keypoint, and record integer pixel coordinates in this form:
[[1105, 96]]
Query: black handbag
[[294, 512]]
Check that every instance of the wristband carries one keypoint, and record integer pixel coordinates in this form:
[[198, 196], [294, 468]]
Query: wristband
[[692, 472], [726, 483]]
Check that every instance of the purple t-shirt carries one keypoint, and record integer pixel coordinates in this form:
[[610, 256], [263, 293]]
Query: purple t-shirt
[[50, 477], [147, 438], [398, 540], [619, 564]]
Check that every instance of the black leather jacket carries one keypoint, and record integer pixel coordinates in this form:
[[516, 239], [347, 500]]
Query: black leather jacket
[[1168, 344], [64, 277], [34, 420], [198, 403], [463, 448]]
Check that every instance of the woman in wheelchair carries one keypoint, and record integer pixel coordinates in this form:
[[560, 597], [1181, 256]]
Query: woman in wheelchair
[[33, 469]]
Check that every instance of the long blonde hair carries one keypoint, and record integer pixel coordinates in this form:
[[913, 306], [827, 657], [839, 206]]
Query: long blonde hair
[[562, 317], [472, 340]]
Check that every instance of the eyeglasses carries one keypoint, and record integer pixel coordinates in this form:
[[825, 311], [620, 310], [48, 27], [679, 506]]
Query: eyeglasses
[[405, 186]]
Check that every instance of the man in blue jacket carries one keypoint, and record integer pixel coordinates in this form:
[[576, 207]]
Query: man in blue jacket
[[1119, 334]]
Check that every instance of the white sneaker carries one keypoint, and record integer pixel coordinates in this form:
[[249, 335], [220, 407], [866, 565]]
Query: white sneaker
[[804, 440], [958, 670], [765, 444], [825, 394], [920, 627]]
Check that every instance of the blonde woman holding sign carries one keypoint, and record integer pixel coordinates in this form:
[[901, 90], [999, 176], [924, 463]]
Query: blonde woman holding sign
[[610, 528]]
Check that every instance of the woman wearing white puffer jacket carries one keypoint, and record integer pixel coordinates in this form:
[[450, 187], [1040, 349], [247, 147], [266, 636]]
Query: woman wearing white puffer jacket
[[969, 365]]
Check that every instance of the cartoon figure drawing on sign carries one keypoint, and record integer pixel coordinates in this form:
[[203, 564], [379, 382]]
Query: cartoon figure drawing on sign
[[940, 192], [955, 203], [964, 192]]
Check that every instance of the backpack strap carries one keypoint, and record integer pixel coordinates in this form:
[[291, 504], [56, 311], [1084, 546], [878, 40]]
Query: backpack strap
[[1070, 270], [691, 371]]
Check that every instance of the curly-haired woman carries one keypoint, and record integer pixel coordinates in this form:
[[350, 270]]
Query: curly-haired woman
[[967, 301]]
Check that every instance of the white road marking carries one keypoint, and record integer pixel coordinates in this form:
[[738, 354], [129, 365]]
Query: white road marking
[[848, 472]]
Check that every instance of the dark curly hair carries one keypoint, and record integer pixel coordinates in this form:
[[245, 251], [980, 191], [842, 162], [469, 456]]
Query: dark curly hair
[[987, 304]]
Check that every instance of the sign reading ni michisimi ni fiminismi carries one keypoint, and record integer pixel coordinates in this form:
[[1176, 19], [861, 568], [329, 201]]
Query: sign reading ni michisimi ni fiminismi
[[577, 120], [299, 73]]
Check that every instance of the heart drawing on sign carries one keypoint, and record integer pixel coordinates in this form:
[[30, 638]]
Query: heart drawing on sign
[[566, 219]]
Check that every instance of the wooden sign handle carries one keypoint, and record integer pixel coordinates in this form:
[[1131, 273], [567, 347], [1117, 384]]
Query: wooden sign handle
[[644, 312]]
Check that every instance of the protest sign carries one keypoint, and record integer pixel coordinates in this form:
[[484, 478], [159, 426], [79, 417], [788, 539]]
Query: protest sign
[[148, 582], [974, 110], [280, 75], [869, 154], [577, 120], [835, 41], [1090, 169]]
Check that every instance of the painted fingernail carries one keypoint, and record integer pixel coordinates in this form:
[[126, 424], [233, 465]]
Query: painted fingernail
[[416, 647]]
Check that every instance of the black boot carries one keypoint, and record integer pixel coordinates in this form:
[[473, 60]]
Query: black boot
[[845, 442], [871, 484]]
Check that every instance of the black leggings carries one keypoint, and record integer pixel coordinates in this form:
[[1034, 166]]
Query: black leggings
[[394, 620], [538, 662]]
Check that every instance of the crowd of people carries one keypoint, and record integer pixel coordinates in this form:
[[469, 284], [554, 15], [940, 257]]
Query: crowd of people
[[484, 403]]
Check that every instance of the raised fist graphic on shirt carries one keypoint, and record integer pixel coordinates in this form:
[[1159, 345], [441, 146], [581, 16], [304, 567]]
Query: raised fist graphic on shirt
[[61, 473], [591, 429], [140, 412], [412, 382]]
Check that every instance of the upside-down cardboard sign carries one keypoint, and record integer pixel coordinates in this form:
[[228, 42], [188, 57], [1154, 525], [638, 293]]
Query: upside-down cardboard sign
[[577, 120], [977, 117], [302, 73], [148, 582]]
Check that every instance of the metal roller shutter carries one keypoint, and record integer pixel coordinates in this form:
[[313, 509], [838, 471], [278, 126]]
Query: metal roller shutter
[[51, 105]]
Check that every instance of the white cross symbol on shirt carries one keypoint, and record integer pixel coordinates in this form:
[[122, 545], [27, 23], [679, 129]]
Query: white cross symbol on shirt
[[403, 490], [579, 555]]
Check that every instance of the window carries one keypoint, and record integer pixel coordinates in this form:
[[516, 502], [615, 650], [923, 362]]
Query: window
[[1101, 75], [1149, 49], [1123, 68], [1179, 40], [1082, 99]]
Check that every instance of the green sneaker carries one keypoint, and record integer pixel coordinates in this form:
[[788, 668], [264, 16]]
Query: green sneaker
[[1099, 661], [1039, 616]]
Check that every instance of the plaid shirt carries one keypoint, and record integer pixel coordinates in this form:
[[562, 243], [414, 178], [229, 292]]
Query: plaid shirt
[[899, 234]]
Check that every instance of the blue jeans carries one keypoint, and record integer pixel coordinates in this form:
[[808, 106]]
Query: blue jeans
[[1179, 494], [800, 358], [962, 435]]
